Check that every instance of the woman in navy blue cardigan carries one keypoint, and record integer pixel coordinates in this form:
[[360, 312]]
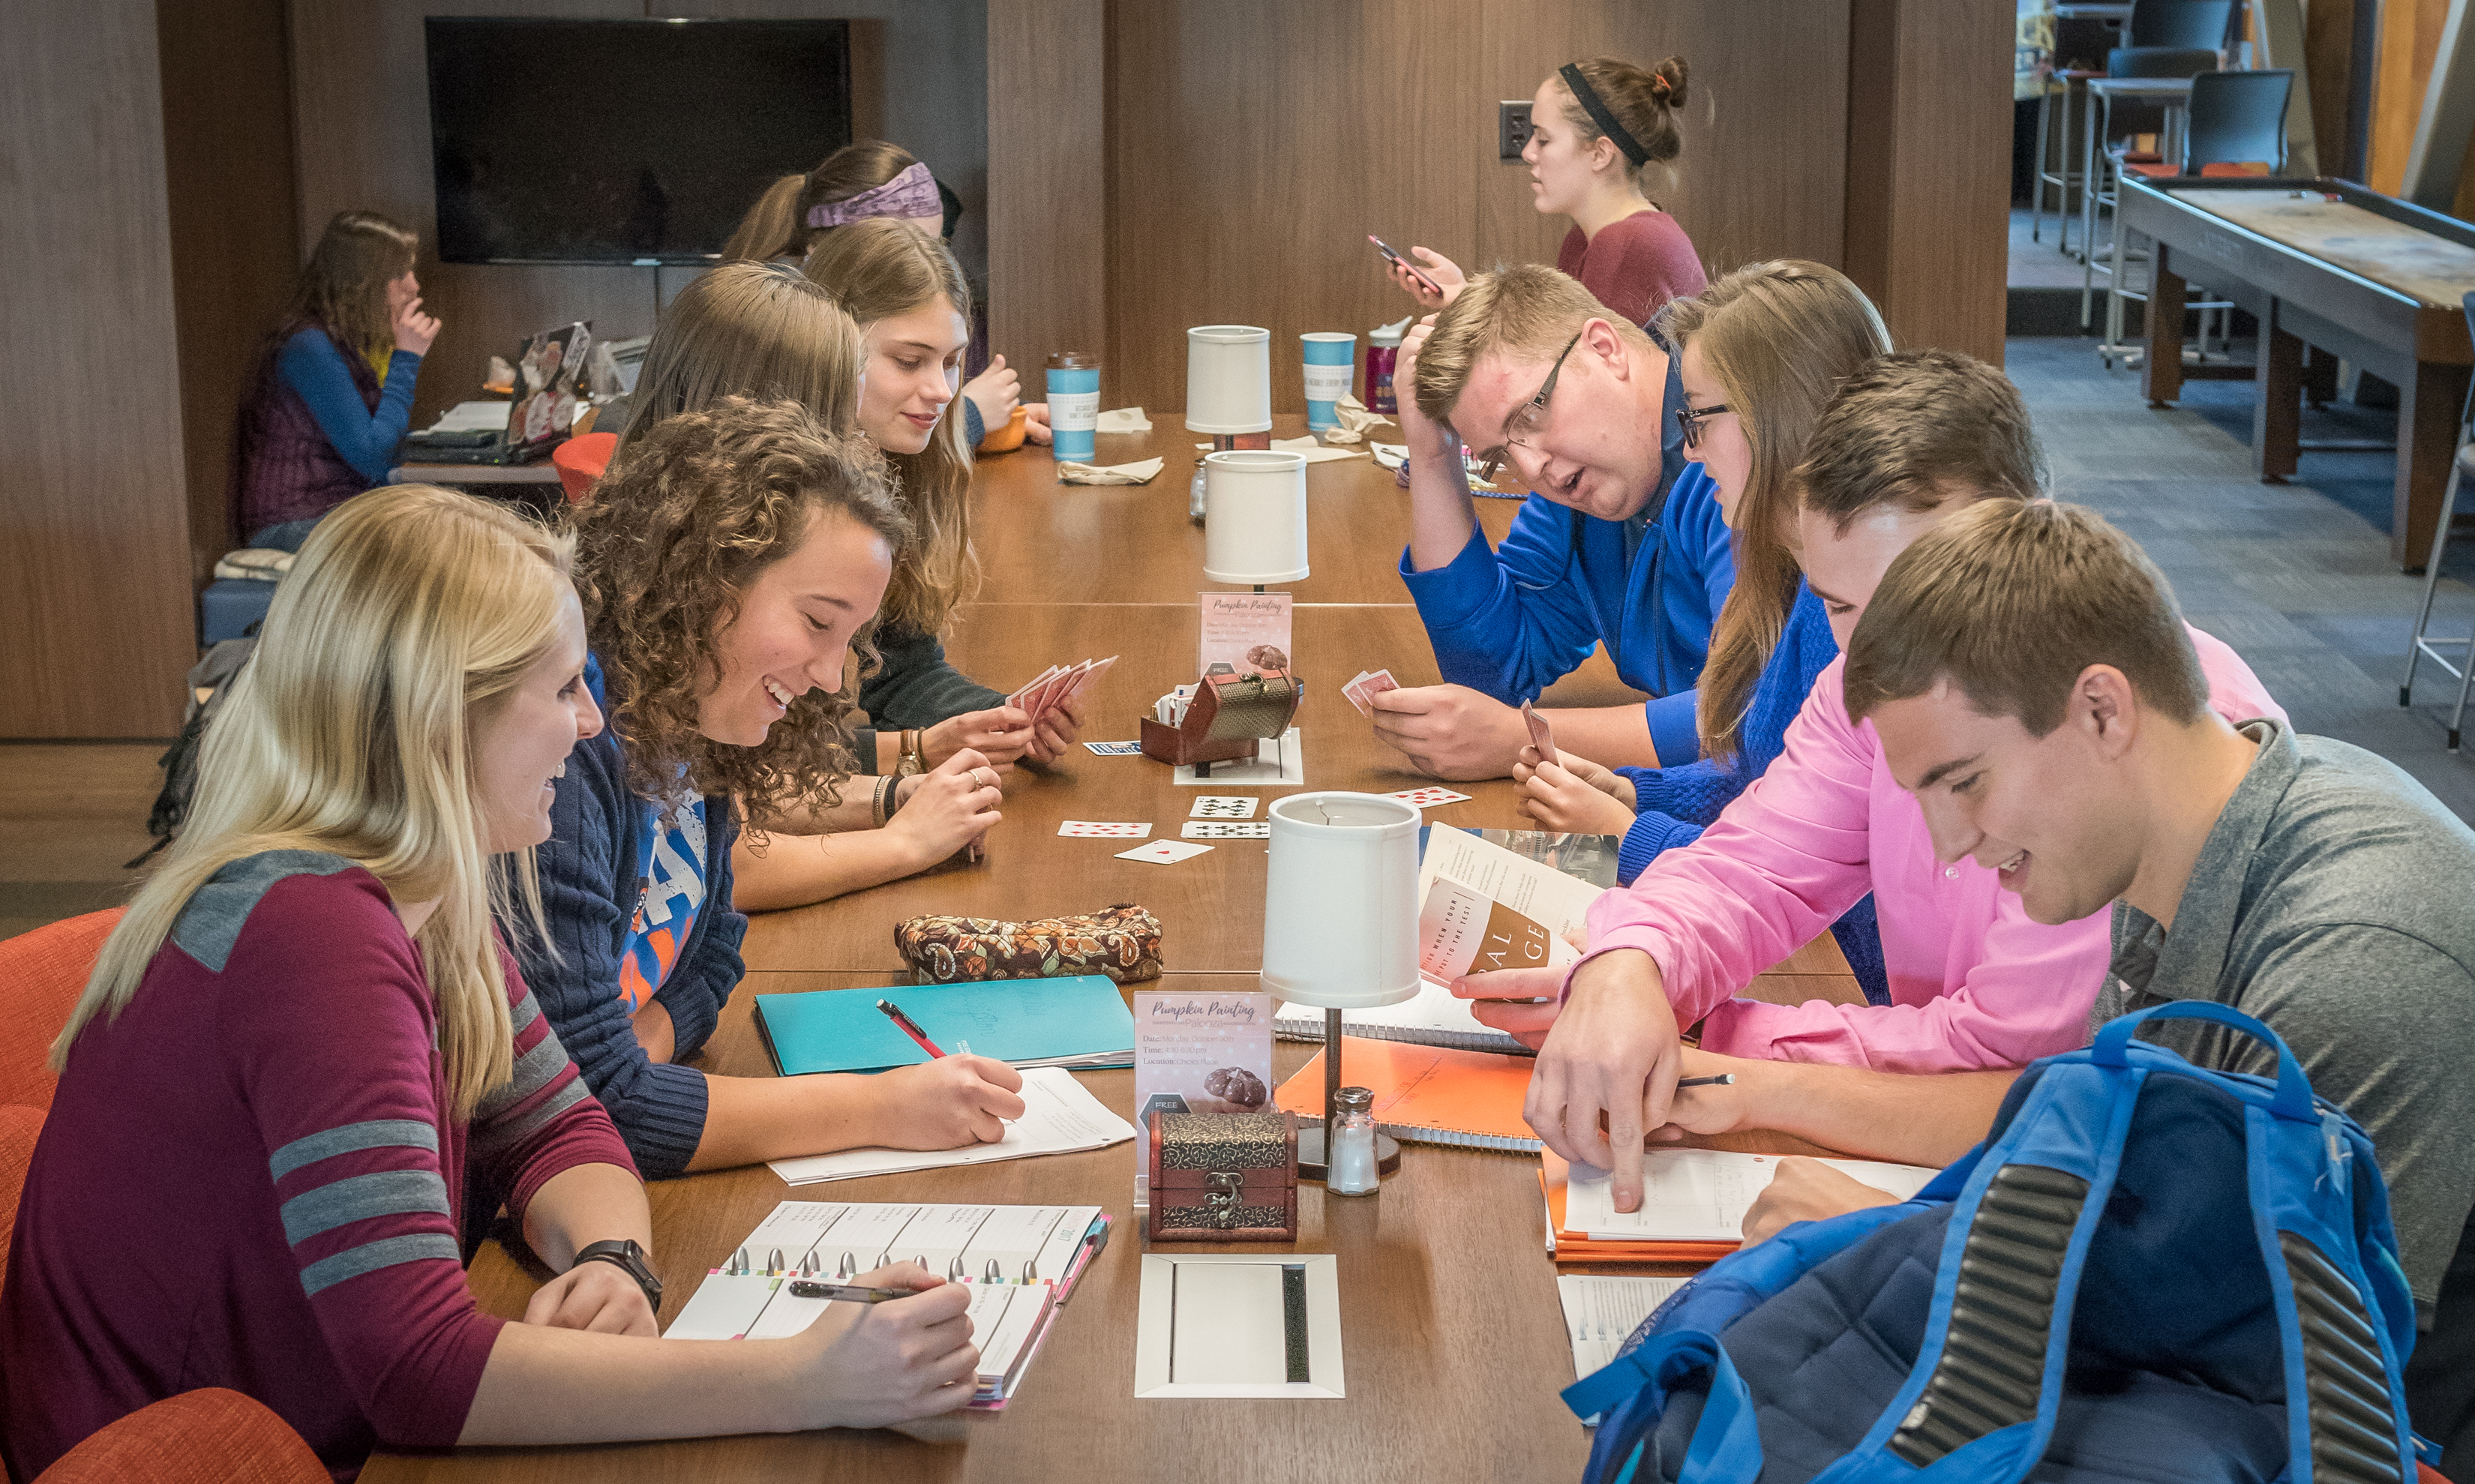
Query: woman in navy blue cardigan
[[725, 566], [1759, 356]]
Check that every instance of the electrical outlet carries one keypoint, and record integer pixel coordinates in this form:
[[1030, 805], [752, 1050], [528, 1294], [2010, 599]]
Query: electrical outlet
[[1511, 128]]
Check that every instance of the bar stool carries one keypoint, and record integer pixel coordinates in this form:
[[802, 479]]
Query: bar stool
[[2425, 646]]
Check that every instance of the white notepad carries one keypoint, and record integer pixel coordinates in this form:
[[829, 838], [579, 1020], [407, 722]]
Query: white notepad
[[1060, 1117], [1602, 1313], [1701, 1194], [1434, 1017]]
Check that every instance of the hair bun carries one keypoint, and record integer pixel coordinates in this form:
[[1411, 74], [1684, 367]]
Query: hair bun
[[1667, 81]]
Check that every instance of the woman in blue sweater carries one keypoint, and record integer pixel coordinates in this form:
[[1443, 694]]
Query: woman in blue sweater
[[725, 565], [1759, 354], [334, 392]]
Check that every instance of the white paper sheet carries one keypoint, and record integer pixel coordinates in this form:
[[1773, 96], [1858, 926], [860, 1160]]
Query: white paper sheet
[[1602, 1313], [472, 417], [1059, 1117], [1701, 1194]]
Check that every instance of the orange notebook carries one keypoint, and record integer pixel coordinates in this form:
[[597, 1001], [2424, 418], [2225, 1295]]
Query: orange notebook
[[1426, 1094], [1566, 1245]]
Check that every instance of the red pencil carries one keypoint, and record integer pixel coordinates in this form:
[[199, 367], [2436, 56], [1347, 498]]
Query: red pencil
[[894, 1012]]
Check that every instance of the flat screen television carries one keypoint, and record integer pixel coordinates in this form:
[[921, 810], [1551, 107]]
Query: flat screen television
[[623, 142]]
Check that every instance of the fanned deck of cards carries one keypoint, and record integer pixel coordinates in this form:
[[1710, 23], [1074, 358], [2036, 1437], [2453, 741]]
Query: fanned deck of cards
[[1365, 686], [1057, 685]]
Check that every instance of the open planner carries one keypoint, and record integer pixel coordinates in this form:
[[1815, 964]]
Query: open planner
[[1021, 1261], [1693, 1203]]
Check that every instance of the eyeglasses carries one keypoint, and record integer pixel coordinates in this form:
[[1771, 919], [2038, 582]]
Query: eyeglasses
[[1690, 418], [1527, 419]]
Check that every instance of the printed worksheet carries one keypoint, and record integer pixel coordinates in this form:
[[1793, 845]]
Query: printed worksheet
[[1701, 1194]]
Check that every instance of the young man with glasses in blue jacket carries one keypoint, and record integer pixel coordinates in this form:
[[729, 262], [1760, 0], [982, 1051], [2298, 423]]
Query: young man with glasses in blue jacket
[[1621, 542]]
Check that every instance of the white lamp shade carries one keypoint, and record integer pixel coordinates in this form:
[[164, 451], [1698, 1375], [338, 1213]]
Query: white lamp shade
[[1254, 516], [1340, 901], [1228, 379]]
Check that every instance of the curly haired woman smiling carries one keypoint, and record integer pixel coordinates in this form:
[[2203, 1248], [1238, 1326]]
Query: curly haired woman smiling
[[725, 565]]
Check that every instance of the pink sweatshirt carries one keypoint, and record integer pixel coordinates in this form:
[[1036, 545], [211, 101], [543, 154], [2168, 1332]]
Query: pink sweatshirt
[[1974, 984]]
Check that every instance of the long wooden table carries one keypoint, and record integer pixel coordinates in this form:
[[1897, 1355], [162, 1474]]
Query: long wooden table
[[1454, 1340], [1133, 542], [2347, 271]]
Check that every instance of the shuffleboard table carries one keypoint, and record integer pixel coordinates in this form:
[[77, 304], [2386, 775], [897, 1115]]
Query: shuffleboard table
[[2328, 264]]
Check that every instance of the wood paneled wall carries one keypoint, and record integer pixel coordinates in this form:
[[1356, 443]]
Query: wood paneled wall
[[229, 176], [94, 568], [361, 104], [1247, 151]]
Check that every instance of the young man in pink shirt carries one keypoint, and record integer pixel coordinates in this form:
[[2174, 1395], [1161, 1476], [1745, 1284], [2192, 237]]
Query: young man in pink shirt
[[1976, 983]]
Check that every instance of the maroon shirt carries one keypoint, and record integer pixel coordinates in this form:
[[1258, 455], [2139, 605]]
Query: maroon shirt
[[253, 1178], [1634, 265]]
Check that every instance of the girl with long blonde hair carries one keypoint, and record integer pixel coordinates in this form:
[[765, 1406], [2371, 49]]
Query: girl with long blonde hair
[[908, 296], [303, 1037], [863, 181], [1761, 352]]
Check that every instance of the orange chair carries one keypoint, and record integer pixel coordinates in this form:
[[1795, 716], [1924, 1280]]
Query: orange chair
[[580, 461], [199, 1437], [42, 975]]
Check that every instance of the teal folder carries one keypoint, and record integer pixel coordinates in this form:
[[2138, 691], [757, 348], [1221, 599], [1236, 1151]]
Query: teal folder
[[1081, 1022]]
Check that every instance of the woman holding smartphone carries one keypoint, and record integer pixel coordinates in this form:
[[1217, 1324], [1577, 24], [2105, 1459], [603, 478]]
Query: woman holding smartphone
[[1595, 128]]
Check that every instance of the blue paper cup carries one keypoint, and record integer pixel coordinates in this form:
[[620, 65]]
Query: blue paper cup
[[1331, 369], [1073, 404]]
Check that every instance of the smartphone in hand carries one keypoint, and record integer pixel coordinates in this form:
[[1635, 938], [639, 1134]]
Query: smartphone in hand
[[1386, 247]]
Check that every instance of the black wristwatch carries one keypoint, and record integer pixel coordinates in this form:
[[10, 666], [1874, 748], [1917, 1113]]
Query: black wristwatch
[[630, 1258]]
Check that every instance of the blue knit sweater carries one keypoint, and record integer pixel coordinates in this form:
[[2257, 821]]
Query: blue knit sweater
[[590, 889], [1672, 805]]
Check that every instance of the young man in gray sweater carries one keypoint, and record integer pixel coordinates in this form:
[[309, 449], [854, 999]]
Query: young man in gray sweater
[[2033, 685]]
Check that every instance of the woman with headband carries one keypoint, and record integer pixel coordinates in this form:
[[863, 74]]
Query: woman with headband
[[1594, 128], [871, 179]]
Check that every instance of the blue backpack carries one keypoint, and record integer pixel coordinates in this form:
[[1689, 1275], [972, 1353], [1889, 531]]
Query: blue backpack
[[2127, 1280]]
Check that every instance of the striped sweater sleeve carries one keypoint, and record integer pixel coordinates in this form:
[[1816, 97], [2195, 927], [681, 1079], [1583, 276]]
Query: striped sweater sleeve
[[333, 1049], [543, 1120]]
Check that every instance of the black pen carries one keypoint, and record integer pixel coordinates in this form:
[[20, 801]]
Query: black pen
[[1727, 1081], [849, 1293]]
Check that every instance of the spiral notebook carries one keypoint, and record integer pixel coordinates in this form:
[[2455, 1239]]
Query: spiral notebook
[[1425, 1094]]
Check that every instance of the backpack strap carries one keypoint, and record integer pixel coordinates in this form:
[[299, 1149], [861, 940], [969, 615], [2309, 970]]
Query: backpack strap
[[1998, 1336], [1631, 1395]]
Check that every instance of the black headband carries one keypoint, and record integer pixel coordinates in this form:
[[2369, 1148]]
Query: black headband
[[1571, 73]]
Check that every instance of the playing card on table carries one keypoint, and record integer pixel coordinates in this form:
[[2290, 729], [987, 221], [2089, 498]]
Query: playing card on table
[[1123, 749], [1427, 799], [1541, 736], [1227, 829], [1103, 829], [1222, 806], [1162, 852]]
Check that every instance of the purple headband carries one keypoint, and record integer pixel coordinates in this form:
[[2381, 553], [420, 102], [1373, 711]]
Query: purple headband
[[912, 193]]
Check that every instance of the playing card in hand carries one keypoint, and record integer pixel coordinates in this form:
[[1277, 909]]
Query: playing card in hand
[[1103, 829], [1541, 736], [1366, 685]]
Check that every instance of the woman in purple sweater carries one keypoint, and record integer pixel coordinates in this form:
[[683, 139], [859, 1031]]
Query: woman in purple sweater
[[304, 1074], [334, 390], [1595, 128]]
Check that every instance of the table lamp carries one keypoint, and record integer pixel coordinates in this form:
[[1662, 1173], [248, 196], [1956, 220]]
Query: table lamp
[[1255, 516], [1229, 384], [1341, 924]]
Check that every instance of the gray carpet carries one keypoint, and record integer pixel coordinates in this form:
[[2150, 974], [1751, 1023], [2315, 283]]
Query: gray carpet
[[2296, 577]]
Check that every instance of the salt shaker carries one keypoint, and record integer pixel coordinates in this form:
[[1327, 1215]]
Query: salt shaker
[[1349, 1154]]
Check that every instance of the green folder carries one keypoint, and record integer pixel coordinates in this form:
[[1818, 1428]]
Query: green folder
[[1081, 1023]]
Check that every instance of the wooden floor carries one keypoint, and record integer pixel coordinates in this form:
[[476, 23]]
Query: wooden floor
[[70, 815]]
